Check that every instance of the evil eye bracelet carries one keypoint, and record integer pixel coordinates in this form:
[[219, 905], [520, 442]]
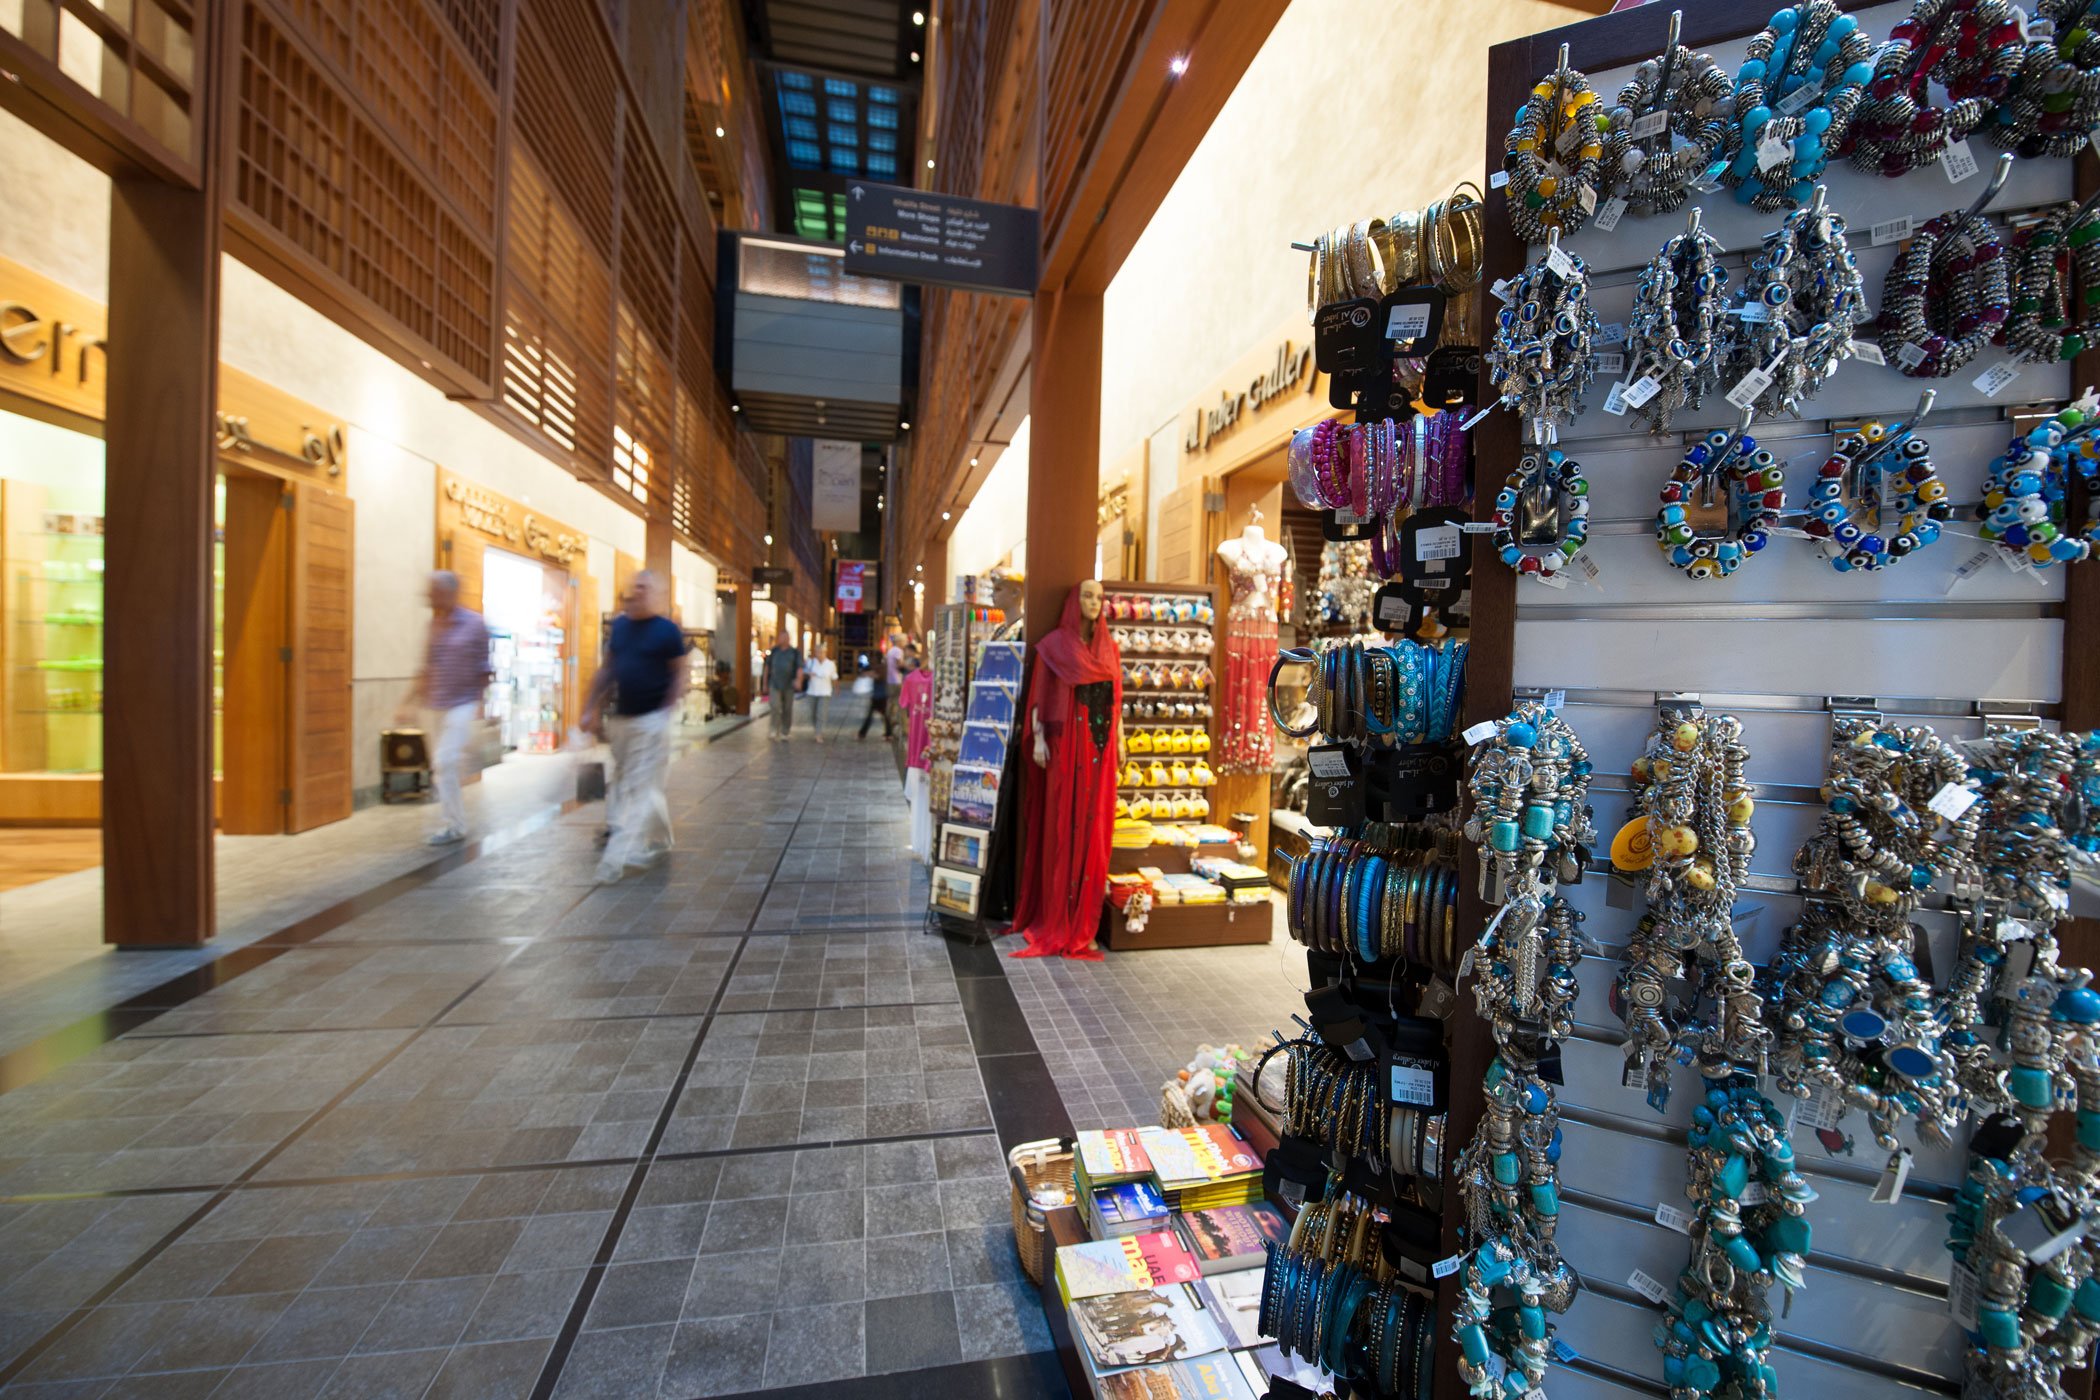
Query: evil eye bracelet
[[2050, 258], [1539, 360], [1969, 48], [1729, 473], [1552, 157], [1654, 172], [2024, 492], [1672, 331], [1946, 296], [1845, 505], [1547, 486], [1801, 80], [2056, 102], [1805, 279]]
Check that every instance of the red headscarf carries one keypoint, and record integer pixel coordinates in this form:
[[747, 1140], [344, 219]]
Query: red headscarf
[[1073, 661]]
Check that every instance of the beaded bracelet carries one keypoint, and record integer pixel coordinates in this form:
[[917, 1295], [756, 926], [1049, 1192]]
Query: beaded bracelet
[[1546, 482], [1803, 76], [1970, 48], [1698, 111], [2048, 259], [2025, 491], [1845, 505], [1529, 786], [1672, 329], [1946, 296], [1733, 474], [1806, 280], [1552, 156], [1539, 360], [2055, 103]]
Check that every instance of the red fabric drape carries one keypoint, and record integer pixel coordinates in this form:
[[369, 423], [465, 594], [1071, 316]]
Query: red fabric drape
[[1069, 807]]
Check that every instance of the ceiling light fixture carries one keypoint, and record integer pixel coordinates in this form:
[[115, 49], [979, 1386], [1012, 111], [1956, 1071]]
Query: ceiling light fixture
[[769, 539], [973, 461], [918, 17], [904, 427], [946, 516], [720, 132], [1178, 64], [929, 162], [914, 55]]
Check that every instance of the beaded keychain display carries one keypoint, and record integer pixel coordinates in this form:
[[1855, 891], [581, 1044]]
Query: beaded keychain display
[[2048, 258], [1803, 76], [1724, 472], [1855, 1016], [1673, 329], [2056, 103], [1846, 504], [1548, 486], [1970, 48], [1539, 360], [1719, 1330], [1946, 296], [1693, 808], [1808, 285], [2024, 491], [1552, 156], [1691, 99]]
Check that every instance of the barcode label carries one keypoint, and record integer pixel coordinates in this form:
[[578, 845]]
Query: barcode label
[[1642, 390], [1957, 161], [1479, 733], [1500, 289], [1890, 231], [1609, 214], [1612, 333], [1497, 180], [1963, 1291], [1653, 123], [1438, 542], [1615, 401], [1801, 99], [1444, 1268], [1997, 377], [1749, 387], [1560, 264], [1953, 800], [1869, 352], [1910, 356], [1409, 322], [1649, 1287], [1609, 362], [1753, 311], [1673, 1218]]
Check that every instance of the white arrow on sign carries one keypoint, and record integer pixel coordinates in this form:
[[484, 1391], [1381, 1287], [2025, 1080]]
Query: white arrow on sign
[[854, 246], [858, 191]]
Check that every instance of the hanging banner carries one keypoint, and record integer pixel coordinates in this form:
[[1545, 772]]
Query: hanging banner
[[853, 585], [835, 485]]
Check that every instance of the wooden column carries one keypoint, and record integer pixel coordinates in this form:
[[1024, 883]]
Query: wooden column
[[163, 383], [938, 584], [656, 548], [1064, 453], [741, 661]]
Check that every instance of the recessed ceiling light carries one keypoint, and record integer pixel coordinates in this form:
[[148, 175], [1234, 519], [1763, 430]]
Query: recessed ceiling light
[[1178, 64], [914, 55], [973, 461], [904, 427], [918, 17], [769, 539], [946, 516], [929, 163], [720, 132]]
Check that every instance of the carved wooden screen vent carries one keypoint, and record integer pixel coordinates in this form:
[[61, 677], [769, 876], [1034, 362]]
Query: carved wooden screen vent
[[135, 61], [1092, 43], [557, 370], [642, 400], [649, 238], [314, 171], [703, 426], [567, 107]]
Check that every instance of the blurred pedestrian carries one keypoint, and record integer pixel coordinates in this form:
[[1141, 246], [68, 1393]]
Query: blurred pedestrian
[[454, 682], [819, 675], [889, 674], [643, 679], [783, 666]]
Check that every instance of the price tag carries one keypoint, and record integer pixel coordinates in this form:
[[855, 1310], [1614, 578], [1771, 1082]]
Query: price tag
[[1609, 214], [1609, 362], [1634, 1074], [1555, 700], [1648, 1286], [1587, 198], [1497, 180], [1562, 1352], [1773, 152], [1910, 356], [1476, 527], [1754, 1194], [1868, 351], [1673, 1218], [1500, 289], [1752, 311], [1615, 400], [1957, 161], [1890, 231], [1801, 99], [1643, 389], [1407, 323], [1971, 566], [1611, 333], [1560, 264], [1328, 763], [1963, 1291], [1710, 178], [1465, 964], [1749, 387], [1444, 1268], [1824, 1107], [1997, 377], [1437, 542], [1479, 733], [1889, 1189], [1953, 800], [1414, 1083], [1581, 563], [2016, 930], [1648, 124], [1470, 422], [1552, 579]]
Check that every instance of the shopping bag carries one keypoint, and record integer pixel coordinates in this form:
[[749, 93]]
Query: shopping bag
[[484, 746]]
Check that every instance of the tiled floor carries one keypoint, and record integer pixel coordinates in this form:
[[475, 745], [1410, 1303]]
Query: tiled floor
[[735, 1124]]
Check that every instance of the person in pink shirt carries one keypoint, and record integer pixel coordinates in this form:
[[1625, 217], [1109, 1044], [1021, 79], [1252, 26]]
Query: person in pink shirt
[[915, 698]]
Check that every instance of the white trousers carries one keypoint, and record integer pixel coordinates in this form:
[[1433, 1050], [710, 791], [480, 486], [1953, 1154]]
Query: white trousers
[[448, 760], [635, 805]]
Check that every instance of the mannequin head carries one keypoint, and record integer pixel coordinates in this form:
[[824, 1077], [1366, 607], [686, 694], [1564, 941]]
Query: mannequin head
[[1007, 588], [1090, 598]]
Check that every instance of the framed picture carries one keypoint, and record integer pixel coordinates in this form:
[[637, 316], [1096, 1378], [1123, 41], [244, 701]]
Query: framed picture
[[973, 795], [963, 845], [955, 891]]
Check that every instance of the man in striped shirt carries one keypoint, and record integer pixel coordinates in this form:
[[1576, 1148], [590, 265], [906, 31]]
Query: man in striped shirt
[[454, 681]]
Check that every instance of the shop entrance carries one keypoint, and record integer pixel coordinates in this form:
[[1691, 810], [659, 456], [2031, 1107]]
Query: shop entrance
[[282, 662], [526, 606]]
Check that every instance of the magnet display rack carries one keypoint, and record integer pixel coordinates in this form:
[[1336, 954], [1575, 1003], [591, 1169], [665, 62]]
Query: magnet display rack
[[1774, 644]]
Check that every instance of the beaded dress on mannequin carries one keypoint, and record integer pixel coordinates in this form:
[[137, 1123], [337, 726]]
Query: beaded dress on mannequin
[[1254, 565]]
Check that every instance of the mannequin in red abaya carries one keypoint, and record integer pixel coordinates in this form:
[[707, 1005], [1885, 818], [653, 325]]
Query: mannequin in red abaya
[[1075, 705]]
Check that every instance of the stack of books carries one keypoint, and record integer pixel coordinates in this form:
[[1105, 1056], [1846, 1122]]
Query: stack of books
[[1204, 1167]]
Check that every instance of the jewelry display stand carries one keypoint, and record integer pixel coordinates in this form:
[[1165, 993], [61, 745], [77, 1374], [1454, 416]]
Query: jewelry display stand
[[1782, 643]]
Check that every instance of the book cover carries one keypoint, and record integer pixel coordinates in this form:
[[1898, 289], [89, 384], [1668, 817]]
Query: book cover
[[1150, 1260], [1222, 1153], [983, 744], [1130, 1206], [1148, 1327], [1001, 662], [1214, 1377], [1115, 1155], [1174, 1159], [1231, 1237], [1234, 1302]]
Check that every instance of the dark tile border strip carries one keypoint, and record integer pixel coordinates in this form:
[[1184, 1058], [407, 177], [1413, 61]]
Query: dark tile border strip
[[1026, 1106], [547, 1020]]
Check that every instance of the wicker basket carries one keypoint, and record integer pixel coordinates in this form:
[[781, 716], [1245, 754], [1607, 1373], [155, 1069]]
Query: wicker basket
[[1034, 1165]]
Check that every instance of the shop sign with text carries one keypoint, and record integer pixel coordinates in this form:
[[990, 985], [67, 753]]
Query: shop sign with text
[[1290, 370], [509, 523]]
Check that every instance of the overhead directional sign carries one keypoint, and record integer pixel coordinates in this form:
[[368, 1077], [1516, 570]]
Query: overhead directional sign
[[920, 236]]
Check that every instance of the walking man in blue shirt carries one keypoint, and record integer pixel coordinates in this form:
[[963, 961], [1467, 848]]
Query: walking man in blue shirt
[[644, 677]]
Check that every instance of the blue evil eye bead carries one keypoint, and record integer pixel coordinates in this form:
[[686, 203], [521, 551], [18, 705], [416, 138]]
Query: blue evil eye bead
[[1681, 556], [1531, 310], [1727, 553], [1715, 441], [1775, 294], [1506, 318], [1512, 556], [1842, 563], [1505, 499], [1672, 515], [1863, 1024], [1755, 540], [1871, 544], [1847, 533], [2024, 484]]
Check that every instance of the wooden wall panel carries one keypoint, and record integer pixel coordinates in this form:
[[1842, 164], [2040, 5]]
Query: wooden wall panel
[[254, 740], [320, 616]]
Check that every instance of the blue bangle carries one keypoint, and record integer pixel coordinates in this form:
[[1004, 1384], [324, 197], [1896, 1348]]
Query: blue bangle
[[1370, 892]]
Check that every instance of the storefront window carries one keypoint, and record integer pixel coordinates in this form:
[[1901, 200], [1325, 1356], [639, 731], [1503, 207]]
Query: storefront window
[[51, 598], [524, 603]]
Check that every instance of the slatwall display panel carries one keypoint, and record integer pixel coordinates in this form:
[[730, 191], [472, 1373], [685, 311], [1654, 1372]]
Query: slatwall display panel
[[1769, 644], [331, 186], [566, 99]]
